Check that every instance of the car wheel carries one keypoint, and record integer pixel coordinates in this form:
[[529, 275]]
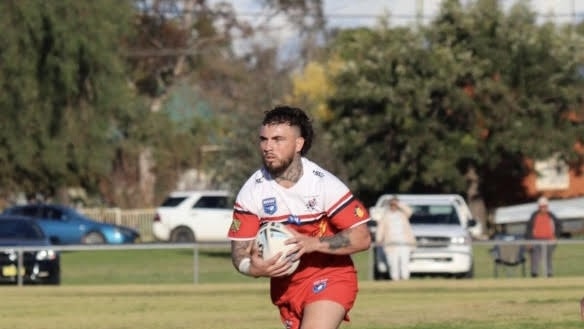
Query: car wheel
[[182, 234], [93, 238]]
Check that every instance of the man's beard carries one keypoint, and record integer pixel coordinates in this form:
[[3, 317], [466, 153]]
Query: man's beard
[[277, 170]]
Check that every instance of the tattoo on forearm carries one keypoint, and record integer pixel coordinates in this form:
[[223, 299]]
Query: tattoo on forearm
[[239, 250], [337, 241]]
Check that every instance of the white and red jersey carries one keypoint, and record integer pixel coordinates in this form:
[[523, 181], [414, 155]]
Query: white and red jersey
[[318, 205]]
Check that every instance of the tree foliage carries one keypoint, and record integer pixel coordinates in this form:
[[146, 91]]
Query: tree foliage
[[478, 90], [64, 90]]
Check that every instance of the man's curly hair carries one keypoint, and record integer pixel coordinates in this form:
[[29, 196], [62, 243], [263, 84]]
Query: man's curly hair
[[294, 117]]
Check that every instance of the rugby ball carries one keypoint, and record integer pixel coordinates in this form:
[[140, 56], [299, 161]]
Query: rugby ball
[[270, 241]]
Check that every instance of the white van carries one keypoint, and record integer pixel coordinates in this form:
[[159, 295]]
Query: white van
[[442, 225]]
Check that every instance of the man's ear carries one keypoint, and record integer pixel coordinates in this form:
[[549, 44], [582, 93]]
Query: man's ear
[[299, 144]]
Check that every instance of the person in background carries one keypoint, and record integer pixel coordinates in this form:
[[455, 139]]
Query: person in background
[[543, 225], [395, 234], [328, 221]]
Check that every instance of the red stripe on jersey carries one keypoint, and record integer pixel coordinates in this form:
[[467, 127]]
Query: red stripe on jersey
[[349, 214], [303, 218], [245, 225], [342, 200]]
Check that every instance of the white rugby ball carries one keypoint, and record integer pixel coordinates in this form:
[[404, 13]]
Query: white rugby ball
[[270, 241]]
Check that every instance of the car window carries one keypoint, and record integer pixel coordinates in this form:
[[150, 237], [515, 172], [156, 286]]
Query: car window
[[216, 202], [173, 201], [18, 229], [434, 214], [53, 214], [29, 211]]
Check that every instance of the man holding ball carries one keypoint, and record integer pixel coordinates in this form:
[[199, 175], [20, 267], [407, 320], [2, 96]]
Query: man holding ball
[[327, 221]]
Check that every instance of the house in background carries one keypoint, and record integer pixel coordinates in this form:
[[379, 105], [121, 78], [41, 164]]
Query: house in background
[[561, 183]]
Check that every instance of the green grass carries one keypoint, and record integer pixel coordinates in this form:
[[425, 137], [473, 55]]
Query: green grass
[[153, 289], [168, 266], [509, 303]]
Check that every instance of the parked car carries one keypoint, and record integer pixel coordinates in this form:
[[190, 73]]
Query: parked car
[[65, 225], [442, 225], [38, 266], [189, 216]]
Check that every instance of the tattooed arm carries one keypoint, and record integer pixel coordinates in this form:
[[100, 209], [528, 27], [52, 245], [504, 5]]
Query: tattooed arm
[[253, 264], [345, 242], [239, 251]]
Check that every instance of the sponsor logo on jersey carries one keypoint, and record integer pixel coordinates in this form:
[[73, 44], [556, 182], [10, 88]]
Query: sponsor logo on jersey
[[318, 173], [293, 219], [319, 286], [359, 212], [270, 206], [235, 225]]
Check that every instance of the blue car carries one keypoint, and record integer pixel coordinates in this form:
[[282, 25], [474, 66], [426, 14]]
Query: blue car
[[42, 265], [65, 225]]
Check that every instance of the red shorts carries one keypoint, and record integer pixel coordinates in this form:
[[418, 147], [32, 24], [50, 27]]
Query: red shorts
[[340, 288]]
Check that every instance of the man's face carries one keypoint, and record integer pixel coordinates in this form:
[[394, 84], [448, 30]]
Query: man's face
[[279, 143]]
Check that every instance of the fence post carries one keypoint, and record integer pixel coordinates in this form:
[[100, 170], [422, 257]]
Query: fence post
[[371, 263], [20, 267], [196, 263], [118, 216]]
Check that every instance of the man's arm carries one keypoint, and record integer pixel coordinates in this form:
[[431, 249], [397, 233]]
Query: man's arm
[[239, 251], [247, 261], [346, 242], [557, 225], [407, 210]]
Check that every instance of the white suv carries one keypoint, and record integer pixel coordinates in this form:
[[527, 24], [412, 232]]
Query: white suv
[[194, 216], [442, 224]]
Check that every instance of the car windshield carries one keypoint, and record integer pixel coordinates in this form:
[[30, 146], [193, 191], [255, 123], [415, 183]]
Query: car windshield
[[173, 201], [19, 229], [434, 214]]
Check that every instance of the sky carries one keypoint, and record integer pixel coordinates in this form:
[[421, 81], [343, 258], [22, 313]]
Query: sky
[[354, 13], [404, 11], [350, 13]]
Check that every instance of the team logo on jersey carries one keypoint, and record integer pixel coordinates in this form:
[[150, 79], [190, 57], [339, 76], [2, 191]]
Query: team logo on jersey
[[311, 204], [359, 212], [270, 206], [293, 219], [235, 225], [319, 286]]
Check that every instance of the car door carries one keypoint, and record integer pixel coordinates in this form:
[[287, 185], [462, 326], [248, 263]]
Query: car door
[[213, 215], [58, 224]]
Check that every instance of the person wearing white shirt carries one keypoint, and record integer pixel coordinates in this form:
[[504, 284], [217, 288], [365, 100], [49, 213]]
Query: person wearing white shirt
[[395, 234]]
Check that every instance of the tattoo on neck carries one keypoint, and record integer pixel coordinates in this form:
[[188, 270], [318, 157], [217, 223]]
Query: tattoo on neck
[[293, 173], [337, 241]]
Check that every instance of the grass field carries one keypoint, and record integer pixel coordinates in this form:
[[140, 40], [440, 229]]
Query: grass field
[[430, 304], [153, 289]]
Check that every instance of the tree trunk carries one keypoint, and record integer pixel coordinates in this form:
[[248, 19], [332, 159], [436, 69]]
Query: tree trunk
[[475, 199]]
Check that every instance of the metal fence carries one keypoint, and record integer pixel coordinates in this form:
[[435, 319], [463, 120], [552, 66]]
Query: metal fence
[[197, 247]]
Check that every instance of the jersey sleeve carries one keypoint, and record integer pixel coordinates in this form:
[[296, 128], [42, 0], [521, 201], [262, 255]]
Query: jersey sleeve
[[342, 207], [245, 223]]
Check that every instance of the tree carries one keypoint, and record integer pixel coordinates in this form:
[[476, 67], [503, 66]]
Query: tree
[[457, 106], [64, 91]]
